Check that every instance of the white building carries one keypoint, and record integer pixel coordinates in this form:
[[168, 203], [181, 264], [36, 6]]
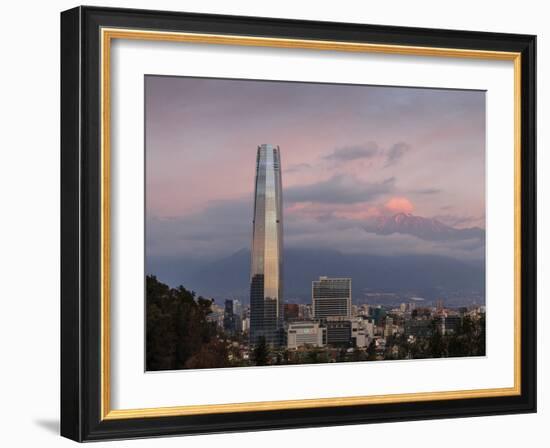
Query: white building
[[237, 307], [362, 331], [302, 333], [245, 325], [304, 311]]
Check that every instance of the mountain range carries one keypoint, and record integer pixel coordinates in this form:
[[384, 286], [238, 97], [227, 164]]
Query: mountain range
[[429, 229], [428, 276]]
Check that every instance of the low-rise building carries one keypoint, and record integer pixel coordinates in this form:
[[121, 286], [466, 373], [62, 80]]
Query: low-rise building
[[418, 327], [338, 331], [388, 327], [304, 311], [306, 333], [362, 332], [449, 324], [245, 325], [292, 312]]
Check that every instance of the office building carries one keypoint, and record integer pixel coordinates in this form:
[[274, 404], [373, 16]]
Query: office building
[[331, 297], [418, 327], [229, 318], [306, 333], [338, 331], [237, 307], [388, 328], [448, 324], [362, 332], [304, 311], [266, 282], [245, 324], [378, 314], [292, 312]]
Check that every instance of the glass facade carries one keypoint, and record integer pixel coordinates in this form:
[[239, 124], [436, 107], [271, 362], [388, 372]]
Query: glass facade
[[331, 297], [266, 282]]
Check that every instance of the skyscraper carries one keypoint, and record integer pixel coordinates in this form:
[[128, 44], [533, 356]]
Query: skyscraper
[[266, 274], [331, 297], [229, 318]]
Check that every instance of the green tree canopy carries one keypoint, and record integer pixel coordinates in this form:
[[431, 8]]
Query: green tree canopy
[[261, 352], [178, 333]]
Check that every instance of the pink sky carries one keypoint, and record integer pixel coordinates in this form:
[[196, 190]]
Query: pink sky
[[348, 152]]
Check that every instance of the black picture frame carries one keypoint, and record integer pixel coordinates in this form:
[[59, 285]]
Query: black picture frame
[[81, 224]]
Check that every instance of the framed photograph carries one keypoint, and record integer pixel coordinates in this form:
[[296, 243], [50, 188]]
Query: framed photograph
[[273, 223]]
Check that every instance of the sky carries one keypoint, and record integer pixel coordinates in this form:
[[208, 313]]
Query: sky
[[351, 156]]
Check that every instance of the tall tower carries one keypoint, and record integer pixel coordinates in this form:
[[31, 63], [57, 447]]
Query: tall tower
[[266, 273]]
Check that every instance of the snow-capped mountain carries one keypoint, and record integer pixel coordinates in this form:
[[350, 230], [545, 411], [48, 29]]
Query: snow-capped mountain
[[429, 229]]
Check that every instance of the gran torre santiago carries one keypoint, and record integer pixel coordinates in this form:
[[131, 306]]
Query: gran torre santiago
[[266, 273]]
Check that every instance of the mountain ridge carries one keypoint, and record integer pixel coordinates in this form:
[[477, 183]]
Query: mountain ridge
[[429, 229], [424, 275]]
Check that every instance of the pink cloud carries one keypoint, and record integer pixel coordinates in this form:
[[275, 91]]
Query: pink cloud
[[361, 211], [399, 205], [358, 211]]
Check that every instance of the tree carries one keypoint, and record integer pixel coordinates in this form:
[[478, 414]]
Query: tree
[[359, 355], [437, 344], [371, 351], [480, 340], [341, 355], [315, 355], [161, 338], [261, 352], [211, 355], [178, 329]]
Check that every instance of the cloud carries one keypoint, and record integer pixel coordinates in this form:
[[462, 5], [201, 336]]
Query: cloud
[[370, 150], [426, 191], [399, 205], [224, 227], [473, 245], [461, 220], [396, 152], [353, 236], [323, 212], [297, 168], [220, 227], [428, 229], [339, 190], [354, 152]]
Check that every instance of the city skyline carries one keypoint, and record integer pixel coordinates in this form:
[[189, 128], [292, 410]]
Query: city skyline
[[355, 158], [365, 332]]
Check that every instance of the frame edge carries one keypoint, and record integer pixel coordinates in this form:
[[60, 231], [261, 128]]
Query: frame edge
[[71, 380], [79, 419]]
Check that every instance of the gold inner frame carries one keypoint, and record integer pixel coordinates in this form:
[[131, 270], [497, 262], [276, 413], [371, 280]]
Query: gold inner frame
[[107, 35]]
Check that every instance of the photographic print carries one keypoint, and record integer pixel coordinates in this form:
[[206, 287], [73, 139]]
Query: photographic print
[[268, 201], [304, 223]]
